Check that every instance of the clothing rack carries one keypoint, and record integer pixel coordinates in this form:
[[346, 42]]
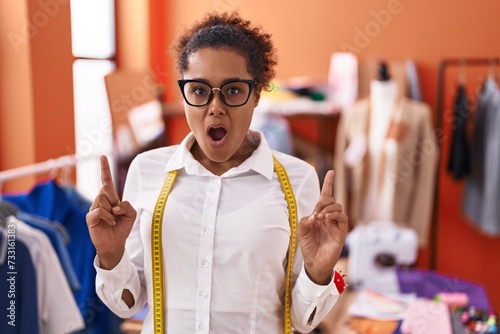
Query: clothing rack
[[37, 168], [464, 63]]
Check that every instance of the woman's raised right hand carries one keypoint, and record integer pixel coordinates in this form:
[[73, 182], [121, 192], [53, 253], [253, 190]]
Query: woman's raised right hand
[[109, 220]]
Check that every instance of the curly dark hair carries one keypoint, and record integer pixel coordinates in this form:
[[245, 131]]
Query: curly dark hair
[[229, 30]]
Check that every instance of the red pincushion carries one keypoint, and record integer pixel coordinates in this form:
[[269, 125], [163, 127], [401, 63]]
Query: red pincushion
[[339, 281]]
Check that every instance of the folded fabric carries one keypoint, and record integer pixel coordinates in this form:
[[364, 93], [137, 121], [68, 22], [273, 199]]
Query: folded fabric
[[428, 283], [427, 316]]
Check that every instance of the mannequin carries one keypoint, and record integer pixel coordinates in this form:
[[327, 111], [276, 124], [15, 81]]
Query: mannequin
[[386, 158], [381, 150]]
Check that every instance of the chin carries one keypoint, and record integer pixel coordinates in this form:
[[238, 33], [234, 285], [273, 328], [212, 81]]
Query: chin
[[219, 157]]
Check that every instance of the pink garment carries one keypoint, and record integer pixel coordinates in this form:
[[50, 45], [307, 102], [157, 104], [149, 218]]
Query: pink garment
[[343, 79], [426, 316]]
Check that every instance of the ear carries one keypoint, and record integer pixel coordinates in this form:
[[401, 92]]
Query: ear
[[256, 92]]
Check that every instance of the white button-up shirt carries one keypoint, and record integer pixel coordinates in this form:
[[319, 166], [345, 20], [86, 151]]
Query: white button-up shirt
[[225, 241]]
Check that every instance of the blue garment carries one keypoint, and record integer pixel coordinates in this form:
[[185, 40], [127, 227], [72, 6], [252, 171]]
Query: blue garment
[[276, 129], [413, 82], [50, 201], [59, 239], [18, 301], [76, 198]]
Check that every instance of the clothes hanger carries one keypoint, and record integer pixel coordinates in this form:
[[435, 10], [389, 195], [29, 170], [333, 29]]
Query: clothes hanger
[[65, 176], [383, 72], [53, 173], [491, 68], [6, 210], [491, 75], [57, 175], [462, 72], [498, 71]]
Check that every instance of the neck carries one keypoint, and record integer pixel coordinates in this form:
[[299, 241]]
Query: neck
[[246, 149], [384, 90], [383, 94]]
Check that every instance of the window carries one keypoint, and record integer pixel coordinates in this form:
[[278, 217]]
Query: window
[[93, 46]]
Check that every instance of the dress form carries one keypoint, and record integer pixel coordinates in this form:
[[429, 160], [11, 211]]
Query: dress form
[[379, 195]]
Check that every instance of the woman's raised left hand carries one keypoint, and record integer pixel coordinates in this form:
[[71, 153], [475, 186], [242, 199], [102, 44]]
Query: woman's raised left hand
[[321, 236]]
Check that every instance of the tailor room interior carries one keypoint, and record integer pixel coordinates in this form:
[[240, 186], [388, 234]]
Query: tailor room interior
[[81, 79]]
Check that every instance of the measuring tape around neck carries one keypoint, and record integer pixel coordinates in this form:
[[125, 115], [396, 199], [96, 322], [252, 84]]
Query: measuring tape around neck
[[293, 219], [156, 250], [156, 247]]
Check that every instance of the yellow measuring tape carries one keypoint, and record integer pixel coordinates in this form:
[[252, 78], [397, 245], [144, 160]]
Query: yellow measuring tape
[[156, 247], [293, 218], [156, 250]]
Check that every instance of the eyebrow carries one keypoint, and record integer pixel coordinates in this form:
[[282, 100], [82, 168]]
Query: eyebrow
[[223, 81]]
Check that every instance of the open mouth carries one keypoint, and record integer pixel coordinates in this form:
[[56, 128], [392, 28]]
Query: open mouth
[[217, 133]]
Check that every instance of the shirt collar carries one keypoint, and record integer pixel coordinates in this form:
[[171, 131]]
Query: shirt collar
[[261, 160]]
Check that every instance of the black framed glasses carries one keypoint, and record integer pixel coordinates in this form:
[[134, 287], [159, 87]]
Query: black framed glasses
[[234, 93]]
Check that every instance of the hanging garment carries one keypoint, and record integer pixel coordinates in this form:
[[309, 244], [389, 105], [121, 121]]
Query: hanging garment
[[57, 308], [59, 239], [343, 79], [482, 187], [459, 160], [56, 232], [50, 201], [416, 165], [18, 290], [413, 81]]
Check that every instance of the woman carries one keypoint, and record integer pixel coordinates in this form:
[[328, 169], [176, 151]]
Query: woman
[[220, 224]]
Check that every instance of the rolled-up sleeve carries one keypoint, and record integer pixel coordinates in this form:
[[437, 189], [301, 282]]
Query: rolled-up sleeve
[[309, 297], [111, 283]]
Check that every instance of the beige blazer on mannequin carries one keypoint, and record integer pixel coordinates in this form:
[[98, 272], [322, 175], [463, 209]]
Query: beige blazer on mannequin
[[417, 156]]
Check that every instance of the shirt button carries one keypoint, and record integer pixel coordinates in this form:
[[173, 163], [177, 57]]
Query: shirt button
[[205, 264], [215, 179], [204, 295], [207, 231], [202, 327]]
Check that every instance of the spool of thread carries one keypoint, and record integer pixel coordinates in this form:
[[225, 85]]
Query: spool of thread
[[453, 299]]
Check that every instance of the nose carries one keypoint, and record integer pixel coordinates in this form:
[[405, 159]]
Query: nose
[[216, 106]]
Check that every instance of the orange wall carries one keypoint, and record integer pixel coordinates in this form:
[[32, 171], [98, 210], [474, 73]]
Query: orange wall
[[51, 64], [307, 33], [16, 105], [36, 99], [132, 31], [36, 108]]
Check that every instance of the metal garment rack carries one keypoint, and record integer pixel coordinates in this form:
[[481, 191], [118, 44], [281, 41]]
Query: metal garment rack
[[463, 64], [37, 168]]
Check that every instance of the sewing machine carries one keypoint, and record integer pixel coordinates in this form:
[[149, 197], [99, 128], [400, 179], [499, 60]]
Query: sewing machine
[[376, 250]]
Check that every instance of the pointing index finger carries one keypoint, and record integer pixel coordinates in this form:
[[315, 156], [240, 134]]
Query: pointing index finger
[[327, 189], [106, 177]]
